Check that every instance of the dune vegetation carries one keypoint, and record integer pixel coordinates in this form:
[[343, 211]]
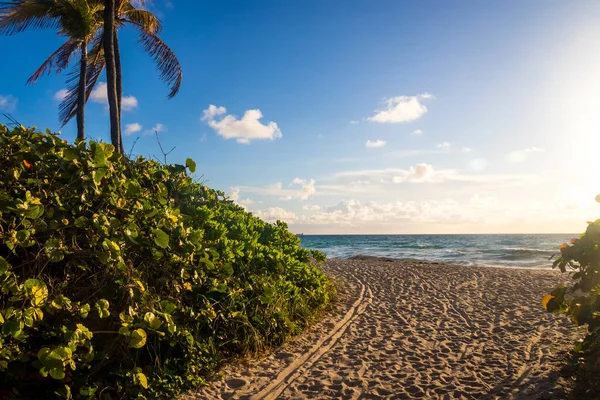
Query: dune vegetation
[[580, 300], [128, 279]]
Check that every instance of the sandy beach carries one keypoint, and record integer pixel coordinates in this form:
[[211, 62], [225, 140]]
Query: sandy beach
[[411, 330]]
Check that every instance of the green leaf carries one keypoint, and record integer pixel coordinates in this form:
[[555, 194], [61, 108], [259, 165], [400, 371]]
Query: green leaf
[[57, 373], [34, 211], [133, 189], [227, 269], [98, 174], [81, 222], [195, 238], [191, 164], [167, 306], [4, 266], [102, 308], [153, 321], [23, 235], [138, 339], [160, 238], [37, 291]]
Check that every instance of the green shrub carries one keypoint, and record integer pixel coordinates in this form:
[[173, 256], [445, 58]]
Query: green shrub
[[581, 302], [126, 279]]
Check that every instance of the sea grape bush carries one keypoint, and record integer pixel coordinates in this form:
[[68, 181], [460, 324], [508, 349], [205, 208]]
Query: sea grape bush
[[580, 300], [126, 279]]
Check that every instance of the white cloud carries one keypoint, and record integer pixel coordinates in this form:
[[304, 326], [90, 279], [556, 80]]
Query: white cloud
[[128, 103], [518, 156], [8, 103], [443, 145], [417, 132], [130, 129], [308, 187], [354, 122], [60, 95], [377, 143], [418, 173], [311, 207], [158, 128], [213, 111], [100, 95], [243, 130], [306, 190], [401, 109], [273, 214], [356, 213], [234, 194], [466, 150], [246, 202]]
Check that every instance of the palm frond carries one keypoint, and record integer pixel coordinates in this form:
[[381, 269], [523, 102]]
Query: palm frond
[[143, 18], [166, 61], [19, 15], [59, 60]]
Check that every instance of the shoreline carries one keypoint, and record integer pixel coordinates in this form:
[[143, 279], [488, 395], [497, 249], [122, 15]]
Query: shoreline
[[417, 330], [360, 257]]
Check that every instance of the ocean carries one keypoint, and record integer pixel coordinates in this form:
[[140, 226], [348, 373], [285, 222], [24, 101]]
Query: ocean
[[517, 251]]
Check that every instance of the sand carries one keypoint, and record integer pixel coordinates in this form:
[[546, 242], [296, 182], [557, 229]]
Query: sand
[[408, 330]]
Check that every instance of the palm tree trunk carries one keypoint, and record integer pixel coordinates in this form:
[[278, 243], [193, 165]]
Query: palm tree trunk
[[111, 78], [119, 72], [119, 78], [82, 92]]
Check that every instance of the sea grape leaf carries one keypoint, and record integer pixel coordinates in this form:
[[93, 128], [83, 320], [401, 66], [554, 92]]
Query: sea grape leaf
[[160, 238], [37, 290], [137, 339], [191, 164], [142, 380], [102, 308]]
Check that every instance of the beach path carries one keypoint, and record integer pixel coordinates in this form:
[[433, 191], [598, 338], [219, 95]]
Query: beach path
[[410, 330]]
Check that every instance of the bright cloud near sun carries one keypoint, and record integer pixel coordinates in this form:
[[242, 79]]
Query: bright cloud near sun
[[519, 156], [402, 109], [244, 130]]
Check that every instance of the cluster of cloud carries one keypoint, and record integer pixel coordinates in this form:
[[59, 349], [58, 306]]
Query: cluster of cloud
[[418, 173], [417, 132], [444, 146], [376, 143], [8, 103], [100, 95], [273, 214], [350, 212], [401, 109], [244, 130], [234, 195], [305, 190]]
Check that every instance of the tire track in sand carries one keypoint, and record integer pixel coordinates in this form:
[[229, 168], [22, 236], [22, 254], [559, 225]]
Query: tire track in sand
[[303, 363]]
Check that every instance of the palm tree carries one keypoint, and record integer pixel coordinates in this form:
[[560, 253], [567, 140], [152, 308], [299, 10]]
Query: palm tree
[[105, 53], [85, 23], [78, 20]]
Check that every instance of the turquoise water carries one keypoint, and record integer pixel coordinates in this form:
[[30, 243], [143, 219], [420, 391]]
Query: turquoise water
[[521, 251]]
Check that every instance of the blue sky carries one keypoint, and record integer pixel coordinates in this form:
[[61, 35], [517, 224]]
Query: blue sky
[[377, 116]]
